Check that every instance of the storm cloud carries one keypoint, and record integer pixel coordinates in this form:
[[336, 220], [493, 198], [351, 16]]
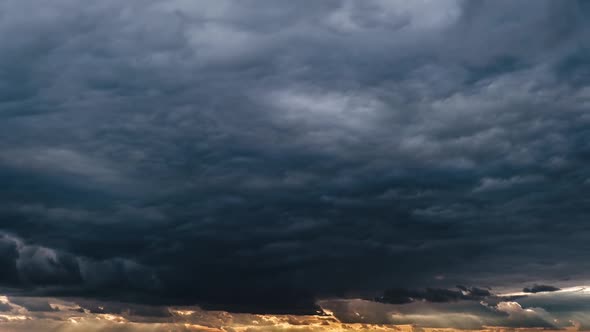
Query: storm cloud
[[540, 288], [402, 296], [259, 156]]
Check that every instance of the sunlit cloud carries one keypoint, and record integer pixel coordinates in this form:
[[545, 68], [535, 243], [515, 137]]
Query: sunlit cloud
[[565, 309]]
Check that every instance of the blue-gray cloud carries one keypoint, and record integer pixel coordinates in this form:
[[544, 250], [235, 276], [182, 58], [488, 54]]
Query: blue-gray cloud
[[256, 156]]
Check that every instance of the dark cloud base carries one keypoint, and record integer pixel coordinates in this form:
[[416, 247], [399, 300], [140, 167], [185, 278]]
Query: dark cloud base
[[260, 156], [540, 288]]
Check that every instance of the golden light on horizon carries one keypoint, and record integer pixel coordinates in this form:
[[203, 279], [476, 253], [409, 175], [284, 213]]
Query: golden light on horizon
[[338, 315]]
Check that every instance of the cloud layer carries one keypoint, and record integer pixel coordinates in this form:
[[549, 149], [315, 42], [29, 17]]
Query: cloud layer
[[257, 156], [548, 311]]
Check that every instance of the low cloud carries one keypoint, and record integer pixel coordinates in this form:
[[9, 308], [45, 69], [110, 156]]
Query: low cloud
[[550, 311], [402, 296], [540, 288]]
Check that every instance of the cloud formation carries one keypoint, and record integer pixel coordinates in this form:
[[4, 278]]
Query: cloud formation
[[260, 156], [536, 312], [540, 288], [402, 296]]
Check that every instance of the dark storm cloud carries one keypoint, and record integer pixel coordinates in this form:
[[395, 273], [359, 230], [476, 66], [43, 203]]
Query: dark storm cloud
[[402, 296], [23, 264], [142, 312], [540, 288], [256, 156]]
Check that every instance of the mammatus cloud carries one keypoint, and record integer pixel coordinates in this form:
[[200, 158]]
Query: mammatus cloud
[[261, 156]]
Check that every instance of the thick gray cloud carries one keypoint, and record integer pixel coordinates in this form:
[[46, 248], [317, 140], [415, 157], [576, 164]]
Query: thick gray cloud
[[257, 156]]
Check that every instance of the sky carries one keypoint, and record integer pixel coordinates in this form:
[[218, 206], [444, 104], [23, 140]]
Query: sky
[[268, 165]]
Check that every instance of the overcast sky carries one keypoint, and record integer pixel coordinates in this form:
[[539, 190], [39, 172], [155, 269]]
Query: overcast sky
[[297, 157]]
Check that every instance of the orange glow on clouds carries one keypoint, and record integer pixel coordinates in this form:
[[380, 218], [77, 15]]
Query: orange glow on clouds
[[339, 315]]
